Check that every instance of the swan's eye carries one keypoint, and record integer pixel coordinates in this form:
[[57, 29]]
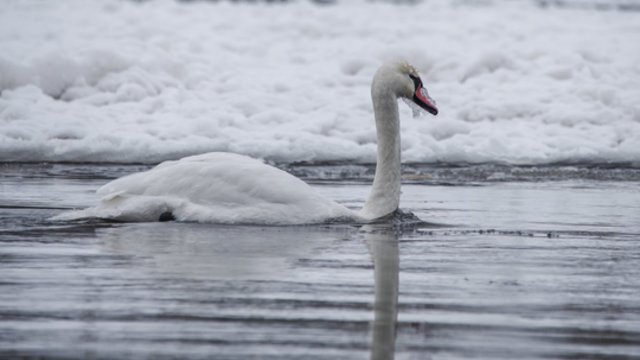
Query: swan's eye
[[416, 81]]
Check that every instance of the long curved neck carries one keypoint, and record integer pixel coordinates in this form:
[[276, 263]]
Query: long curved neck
[[385, 193]]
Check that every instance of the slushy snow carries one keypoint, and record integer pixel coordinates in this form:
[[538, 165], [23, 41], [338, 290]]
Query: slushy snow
[[119, 81]]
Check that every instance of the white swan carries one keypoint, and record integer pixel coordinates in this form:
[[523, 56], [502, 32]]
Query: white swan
[[229, 188]]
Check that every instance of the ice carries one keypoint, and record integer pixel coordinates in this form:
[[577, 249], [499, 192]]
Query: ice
[[130, 82]]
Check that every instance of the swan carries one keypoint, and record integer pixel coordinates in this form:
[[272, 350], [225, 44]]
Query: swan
[[222, 187]]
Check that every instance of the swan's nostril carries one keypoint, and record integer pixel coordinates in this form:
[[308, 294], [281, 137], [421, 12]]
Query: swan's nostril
[[425, 93]]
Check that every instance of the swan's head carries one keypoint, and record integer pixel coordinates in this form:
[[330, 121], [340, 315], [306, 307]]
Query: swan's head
[[404, 81]]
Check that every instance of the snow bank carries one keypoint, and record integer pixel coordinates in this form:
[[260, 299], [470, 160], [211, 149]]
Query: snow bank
[[114, 81]]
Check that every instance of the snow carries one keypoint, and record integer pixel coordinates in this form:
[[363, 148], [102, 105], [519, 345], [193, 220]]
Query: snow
[[118, 81]]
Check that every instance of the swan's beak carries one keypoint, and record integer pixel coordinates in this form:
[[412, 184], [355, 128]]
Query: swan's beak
[[422, 98]]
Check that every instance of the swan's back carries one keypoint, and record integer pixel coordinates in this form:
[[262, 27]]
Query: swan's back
[[214, 178], [215, 187]]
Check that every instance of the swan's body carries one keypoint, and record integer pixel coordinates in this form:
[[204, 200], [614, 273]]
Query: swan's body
[[230, 188], [218, 187]]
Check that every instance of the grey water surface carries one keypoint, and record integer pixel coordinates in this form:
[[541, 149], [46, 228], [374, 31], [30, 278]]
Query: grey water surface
[[513, 262]]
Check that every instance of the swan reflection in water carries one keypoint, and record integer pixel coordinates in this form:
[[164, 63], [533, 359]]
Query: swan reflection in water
[[383, 247], [232, 263]]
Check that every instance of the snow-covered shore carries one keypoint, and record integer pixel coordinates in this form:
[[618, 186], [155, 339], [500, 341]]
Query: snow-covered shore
[[114, 81]]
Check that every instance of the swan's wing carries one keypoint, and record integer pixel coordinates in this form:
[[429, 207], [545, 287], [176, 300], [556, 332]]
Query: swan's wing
[[219, 187], [213, 178]]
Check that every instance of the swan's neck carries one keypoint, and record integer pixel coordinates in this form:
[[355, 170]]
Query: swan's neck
[[385, 194]]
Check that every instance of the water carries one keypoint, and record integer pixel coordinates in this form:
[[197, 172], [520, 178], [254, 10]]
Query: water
[[533, 263]]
